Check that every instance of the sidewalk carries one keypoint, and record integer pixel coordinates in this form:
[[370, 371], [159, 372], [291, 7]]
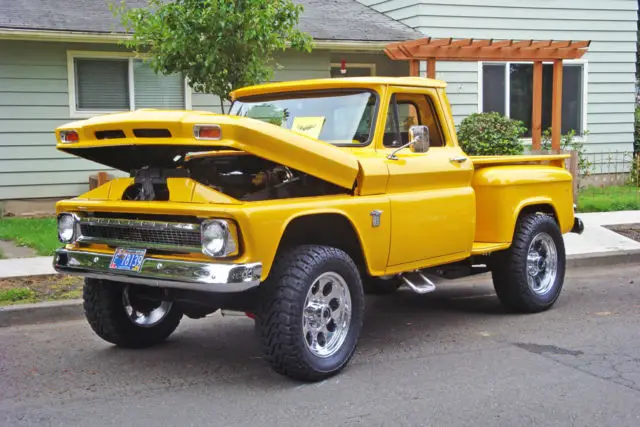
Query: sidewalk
[[595, 240], [19, 267]]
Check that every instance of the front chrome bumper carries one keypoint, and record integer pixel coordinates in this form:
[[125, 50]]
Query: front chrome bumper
[[199, 276]]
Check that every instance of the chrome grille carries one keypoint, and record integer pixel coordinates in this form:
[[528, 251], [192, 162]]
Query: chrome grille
[[136, 233]]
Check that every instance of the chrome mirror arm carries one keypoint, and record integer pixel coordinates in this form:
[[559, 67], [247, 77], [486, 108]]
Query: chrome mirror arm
[[392, 155]]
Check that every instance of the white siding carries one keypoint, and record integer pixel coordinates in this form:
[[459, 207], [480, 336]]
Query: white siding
[[611, 25]]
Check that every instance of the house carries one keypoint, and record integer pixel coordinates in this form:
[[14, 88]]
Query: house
[[60, 60]]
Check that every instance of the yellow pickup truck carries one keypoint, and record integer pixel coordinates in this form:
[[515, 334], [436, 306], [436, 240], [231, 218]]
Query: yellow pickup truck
[[306, 196]]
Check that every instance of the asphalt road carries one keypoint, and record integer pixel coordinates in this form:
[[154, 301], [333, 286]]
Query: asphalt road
[[445, 359]]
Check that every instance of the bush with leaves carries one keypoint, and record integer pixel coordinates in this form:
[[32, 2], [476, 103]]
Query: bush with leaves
[[569, 143], [219, 45], [485, 134], [636, 134], [634, 175]]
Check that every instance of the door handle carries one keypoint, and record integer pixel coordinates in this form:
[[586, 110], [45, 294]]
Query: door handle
[[458, 159]]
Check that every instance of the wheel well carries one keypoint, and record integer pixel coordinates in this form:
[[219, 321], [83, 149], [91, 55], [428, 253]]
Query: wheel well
[[325, 229], [544, 208]]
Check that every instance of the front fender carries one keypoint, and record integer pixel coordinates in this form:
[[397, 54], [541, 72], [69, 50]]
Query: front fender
[[264, 225]]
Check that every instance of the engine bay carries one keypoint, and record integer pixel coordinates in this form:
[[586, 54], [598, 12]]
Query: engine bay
[[239, 175]]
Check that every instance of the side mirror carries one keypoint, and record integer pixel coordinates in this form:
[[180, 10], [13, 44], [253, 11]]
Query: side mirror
[[420, 138]]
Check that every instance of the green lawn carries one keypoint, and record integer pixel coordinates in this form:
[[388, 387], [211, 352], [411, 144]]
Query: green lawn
[[37, 233], [608, 199]]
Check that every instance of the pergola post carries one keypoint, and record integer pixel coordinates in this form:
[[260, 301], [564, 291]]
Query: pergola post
[[414, 68], [556, 109], [536, 113], [431, 68]]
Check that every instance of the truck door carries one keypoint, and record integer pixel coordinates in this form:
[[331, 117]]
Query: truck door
[[432, 201]]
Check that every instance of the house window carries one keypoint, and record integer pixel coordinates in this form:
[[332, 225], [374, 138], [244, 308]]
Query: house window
[[105, 83], [507, 88]]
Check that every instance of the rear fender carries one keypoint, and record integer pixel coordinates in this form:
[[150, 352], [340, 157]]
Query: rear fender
[[504, 192]]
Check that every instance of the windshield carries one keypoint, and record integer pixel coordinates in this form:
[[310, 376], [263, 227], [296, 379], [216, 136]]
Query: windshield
[[338, 117]]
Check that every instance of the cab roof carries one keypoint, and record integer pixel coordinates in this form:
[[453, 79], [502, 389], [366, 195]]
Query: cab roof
[[335, 83]]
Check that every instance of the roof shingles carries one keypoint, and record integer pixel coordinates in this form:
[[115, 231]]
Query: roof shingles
[[344, 20]]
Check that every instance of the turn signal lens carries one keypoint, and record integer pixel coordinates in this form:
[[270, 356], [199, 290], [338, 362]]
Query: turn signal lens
[[207, 132], [68, 136]]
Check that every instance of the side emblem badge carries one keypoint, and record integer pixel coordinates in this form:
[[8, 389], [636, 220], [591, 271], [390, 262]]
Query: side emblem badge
[[375, 218]]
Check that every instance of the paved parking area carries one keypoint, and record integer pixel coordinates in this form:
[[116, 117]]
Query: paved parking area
[[451, 358]]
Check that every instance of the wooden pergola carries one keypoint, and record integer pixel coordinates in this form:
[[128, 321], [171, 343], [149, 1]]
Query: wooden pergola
[[536, 51]]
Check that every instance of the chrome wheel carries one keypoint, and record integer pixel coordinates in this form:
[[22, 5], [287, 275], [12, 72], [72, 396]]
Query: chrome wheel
[[326, 315], [144, 313], [542, 264]]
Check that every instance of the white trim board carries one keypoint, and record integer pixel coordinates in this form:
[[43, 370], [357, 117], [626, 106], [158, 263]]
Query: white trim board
[[115, 38]]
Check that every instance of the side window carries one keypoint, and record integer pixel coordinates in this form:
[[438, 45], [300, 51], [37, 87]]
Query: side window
[[407, 110]]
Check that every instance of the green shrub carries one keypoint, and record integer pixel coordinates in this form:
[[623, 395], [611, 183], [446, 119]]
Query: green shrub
[[568, 143], [636, 135], [635, 167], [487, 134], [634, 174]]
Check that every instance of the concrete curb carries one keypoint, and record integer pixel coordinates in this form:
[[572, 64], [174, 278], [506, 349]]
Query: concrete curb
[[603, 259], [60, 311], [43, 312]]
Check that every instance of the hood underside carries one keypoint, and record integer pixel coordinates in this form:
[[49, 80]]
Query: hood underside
[[131, 141]]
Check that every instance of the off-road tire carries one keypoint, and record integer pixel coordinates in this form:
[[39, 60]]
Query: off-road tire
[[279, 319], [106, 314], [377, 286], [509, 268]]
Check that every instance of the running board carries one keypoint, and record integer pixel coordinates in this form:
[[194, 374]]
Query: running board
[[418, 282]]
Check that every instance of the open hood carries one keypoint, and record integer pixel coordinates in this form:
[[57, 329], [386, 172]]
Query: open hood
[[130, 141]]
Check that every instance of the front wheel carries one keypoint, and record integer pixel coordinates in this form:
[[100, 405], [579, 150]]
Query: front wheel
[[128, 315], [312, 309], [529, 276]]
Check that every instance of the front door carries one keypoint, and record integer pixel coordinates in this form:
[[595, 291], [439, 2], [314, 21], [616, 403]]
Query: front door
[[432, 201]]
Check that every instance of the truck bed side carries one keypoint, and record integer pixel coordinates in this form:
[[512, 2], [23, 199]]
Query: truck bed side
[[507, 185]]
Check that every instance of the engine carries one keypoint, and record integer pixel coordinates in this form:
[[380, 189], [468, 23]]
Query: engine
[[251, 178]]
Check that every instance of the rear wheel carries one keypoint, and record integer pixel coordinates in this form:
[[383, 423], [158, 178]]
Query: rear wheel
[[529, 276], [311, 313], [129, 315]]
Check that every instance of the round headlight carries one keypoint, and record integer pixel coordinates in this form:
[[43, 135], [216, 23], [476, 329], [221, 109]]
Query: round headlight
[[66, 228], [214, 238]]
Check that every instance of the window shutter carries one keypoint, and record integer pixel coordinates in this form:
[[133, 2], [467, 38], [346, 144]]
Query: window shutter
[[102, 84], [157, 91]]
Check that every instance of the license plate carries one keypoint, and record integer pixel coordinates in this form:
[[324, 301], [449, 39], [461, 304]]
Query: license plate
[[127, 259]]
